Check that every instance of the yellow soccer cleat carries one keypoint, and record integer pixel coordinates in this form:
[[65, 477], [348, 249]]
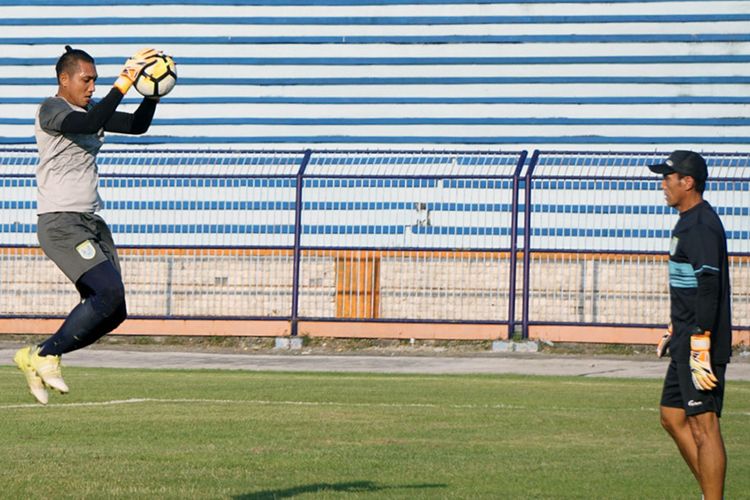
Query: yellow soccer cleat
[[48, 368], [22, 359]]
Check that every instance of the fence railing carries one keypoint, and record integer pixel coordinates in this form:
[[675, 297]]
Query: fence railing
[[411, 239]]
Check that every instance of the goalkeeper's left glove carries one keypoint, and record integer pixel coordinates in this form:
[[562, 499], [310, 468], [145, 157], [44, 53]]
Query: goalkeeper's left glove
[[663, 346], [700, 362]]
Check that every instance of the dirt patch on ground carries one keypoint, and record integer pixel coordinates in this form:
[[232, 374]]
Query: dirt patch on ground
[[364, 347], [323, 345]]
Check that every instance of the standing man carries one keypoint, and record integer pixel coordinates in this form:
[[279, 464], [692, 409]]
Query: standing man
[[700, 334], [69, 131]]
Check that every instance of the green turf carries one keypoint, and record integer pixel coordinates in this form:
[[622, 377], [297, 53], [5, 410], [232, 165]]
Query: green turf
[[244, 435]]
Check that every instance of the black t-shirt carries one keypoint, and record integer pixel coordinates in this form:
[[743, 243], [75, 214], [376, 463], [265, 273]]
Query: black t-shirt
[[699, 283]]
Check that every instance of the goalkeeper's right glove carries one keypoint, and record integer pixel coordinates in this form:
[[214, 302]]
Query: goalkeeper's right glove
[[663, 346], [132, 69], [700, 362]]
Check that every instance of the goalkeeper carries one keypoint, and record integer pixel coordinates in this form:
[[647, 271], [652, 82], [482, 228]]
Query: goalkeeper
[[69, 131], [699, 337]]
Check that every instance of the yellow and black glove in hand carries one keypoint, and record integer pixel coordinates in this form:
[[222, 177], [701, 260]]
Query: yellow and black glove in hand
[[700, 362], [663, 346], [132, 69]]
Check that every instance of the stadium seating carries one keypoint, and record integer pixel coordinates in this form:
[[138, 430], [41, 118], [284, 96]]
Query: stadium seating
[[615, 75]]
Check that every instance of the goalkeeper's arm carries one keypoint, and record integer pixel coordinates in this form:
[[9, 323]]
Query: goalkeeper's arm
[[90, 122], [133, 123], [103, 115], [700, 341], [707, 300]]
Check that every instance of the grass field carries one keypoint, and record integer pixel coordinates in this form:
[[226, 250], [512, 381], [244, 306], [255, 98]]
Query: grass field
[[242, 435]]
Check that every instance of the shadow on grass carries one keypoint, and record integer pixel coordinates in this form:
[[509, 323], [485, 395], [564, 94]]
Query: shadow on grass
[[351, 487]]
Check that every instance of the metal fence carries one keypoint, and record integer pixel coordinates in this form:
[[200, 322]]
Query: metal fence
[[391, 236], [378, 237], [598, 233]]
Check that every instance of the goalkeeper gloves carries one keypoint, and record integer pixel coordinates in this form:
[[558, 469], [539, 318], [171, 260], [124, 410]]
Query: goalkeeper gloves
[[700, 362], [132, 69], [663, 346]]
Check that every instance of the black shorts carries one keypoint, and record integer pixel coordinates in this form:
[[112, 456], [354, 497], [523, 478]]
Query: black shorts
[[679, 391], [76, 242]]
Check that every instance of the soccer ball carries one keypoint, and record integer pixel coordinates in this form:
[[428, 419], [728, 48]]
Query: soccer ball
[[157, 78]]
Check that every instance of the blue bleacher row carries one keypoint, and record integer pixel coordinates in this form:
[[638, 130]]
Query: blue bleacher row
[[216, 229], [378, 205], [297, 3], [306, 20], [363, 181]]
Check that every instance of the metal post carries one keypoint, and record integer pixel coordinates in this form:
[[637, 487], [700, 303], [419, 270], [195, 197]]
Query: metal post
[[297, 242], [527, 244], [514, 246]]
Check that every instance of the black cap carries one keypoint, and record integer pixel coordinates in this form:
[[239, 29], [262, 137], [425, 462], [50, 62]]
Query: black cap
[[685, 163]]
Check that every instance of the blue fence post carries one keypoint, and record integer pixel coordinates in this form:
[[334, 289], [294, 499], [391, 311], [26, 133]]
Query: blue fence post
[[527, 244], [297, 242], [514, 245]]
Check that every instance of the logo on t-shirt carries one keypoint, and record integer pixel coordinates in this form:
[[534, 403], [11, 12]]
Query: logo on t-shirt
[[86, 250], [673, 245]]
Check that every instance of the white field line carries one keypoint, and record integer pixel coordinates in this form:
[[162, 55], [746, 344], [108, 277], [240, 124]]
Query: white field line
[[263, 402], [259, 402]]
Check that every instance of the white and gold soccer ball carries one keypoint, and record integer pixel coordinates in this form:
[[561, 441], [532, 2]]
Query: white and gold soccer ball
[[157, 78]]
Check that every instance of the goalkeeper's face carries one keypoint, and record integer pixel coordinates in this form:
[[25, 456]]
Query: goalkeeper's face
[[78, 86]]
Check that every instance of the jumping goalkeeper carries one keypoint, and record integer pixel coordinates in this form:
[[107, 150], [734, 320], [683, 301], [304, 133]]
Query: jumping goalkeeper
[[69, 131]]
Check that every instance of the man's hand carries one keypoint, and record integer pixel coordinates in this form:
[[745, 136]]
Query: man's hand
[[132, 69], [663, 346], [700, 362]]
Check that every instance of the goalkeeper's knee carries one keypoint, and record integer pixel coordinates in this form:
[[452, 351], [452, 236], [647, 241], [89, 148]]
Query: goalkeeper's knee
[[102, 286]]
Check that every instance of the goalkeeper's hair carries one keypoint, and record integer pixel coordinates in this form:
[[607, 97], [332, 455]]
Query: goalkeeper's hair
[[68, 62]]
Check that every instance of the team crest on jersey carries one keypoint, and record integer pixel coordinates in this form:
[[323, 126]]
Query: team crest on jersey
[[86, 250], [673, 245]]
